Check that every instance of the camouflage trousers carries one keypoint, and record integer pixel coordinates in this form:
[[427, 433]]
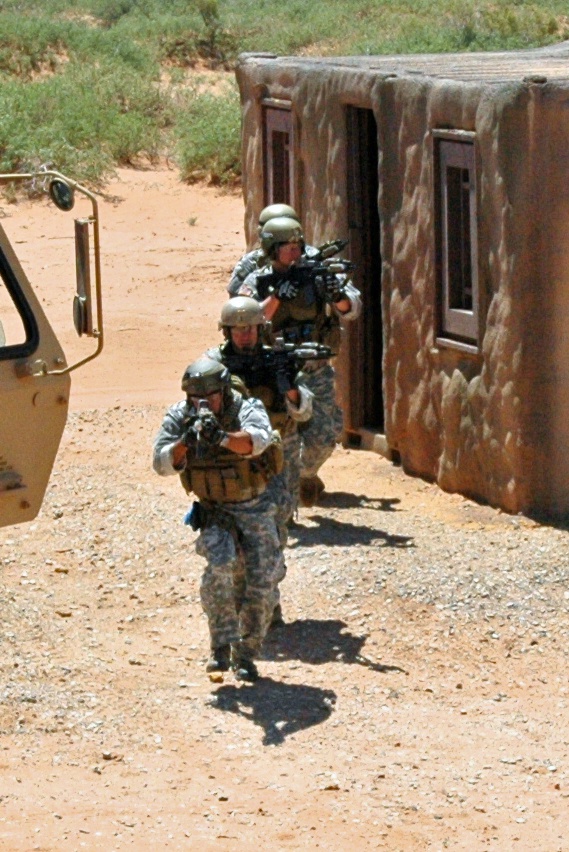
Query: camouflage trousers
[[291, 470], [239, 585], [320, 434]]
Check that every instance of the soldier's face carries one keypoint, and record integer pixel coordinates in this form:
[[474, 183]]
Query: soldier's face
[[215, 401], [288, 253], [245, 336]]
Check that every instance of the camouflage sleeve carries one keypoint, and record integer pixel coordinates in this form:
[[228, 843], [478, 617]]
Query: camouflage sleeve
[[169, 434], [249, 286], [248, 263], [303, 411], [214, 353], [254, 420]]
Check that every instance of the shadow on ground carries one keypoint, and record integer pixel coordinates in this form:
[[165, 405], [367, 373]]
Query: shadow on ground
[[331, 532], [280, 709], [345, 500], [316, 642]]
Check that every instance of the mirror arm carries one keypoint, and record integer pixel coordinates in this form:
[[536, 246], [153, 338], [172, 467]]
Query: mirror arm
[[97, 332]]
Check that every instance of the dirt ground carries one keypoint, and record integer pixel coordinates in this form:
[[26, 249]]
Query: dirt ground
[[392, 712]]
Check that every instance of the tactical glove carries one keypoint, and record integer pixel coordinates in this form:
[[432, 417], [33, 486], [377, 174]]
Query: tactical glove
[[334, 288], [211, 432], [286, 291], [190, 437]]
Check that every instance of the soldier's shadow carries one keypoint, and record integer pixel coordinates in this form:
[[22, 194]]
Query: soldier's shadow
[[317, 642], [345, 500], [331, 532], [280, 709]]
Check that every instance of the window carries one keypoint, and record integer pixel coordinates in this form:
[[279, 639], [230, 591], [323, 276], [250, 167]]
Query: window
[[18, 329], [278, 153], [457, 240]]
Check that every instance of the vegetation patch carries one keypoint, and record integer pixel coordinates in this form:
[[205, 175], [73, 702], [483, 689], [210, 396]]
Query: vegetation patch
[[87, 85]]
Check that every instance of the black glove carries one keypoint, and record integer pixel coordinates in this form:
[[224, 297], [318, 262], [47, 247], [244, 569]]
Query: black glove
[[190, 437], [334, 288], [286, 291], [211, 432]]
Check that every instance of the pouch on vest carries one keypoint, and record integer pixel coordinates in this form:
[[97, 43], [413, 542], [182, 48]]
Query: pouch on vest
[[274, 455]]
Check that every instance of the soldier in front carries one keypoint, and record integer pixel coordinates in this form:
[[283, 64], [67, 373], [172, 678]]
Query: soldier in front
[[222, 447]]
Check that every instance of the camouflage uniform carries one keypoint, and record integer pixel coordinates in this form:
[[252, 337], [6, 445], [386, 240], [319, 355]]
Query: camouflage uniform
[[238, 539], [308, 317], [251, 262], [248, 263], [284, 416]]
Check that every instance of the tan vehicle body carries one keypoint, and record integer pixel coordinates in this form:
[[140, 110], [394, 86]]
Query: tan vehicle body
[[34, 375]]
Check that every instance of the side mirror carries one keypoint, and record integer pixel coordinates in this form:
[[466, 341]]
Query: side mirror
[[61, 194]]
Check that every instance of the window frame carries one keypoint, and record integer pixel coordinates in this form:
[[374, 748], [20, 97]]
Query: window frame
[[458, 326], [279, 171]]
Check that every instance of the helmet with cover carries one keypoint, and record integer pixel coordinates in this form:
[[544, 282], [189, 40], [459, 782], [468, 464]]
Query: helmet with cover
[[241, 311], [279, 231], [205, 376], [274, 210]]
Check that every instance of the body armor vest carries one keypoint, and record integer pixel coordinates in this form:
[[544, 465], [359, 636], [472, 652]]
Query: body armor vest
[[306, 317], [221, 476]]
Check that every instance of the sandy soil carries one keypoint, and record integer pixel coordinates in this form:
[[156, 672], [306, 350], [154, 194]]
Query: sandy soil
[[391, 714]]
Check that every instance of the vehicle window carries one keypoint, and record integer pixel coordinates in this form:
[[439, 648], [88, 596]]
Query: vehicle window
[[12, 331], [18, 332]]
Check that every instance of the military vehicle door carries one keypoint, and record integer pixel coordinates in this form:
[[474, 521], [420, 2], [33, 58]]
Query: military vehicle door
[[33, 403]]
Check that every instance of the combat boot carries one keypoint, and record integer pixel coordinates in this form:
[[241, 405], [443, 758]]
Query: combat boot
[[311, 487], [219, 660], [244, 667]]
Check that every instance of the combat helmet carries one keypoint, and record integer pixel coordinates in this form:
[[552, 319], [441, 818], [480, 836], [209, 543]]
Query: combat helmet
[[274, 210], [281, 229], [205, 376], [241, 311]]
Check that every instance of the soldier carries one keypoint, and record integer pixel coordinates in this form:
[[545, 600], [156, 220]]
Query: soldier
[[287, 402], [305, 307], [257, 258], [221, 445], [271, 376]]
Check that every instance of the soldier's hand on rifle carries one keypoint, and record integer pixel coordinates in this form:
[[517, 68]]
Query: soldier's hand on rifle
[[190, 437], [334, 288], [211, 432], [286, 291]]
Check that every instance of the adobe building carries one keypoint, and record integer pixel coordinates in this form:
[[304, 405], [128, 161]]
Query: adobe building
[[450, 176]]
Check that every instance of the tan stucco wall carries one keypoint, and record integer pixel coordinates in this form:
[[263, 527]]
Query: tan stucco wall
[[495, 426]]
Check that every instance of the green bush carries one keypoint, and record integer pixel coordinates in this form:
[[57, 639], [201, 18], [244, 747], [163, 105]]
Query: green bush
[[207, 135], [89, 84], [87, 120]]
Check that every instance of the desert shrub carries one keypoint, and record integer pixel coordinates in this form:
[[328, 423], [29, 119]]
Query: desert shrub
[[207, 137]]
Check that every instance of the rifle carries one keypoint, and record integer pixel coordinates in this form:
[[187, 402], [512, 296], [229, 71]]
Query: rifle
[[320, 269], [202, 430], [277, 364]]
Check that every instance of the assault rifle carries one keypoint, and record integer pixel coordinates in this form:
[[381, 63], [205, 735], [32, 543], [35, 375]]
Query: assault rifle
[[202, 430], [320, 269], [275, 364]]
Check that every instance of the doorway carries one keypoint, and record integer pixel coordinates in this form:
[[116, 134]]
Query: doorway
[[365, 407]]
